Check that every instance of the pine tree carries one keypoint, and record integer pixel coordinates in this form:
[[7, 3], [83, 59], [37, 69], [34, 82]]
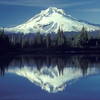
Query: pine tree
[[1, 31], [82, 39], [38, 39], [48, 40], [60, 38], [4, 40]]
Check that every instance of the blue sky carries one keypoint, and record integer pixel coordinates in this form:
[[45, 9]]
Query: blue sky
[[14, 12]]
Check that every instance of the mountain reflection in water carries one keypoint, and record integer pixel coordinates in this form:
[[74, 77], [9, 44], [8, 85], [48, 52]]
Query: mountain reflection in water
[[51, 73]]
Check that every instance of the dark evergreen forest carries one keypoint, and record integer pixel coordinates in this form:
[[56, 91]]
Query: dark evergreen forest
[[59, 43]]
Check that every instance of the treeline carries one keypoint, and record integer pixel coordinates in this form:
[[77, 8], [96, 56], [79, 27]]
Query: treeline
[[59, 41]]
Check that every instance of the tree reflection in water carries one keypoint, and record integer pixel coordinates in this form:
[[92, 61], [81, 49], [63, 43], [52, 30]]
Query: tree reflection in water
[[82, 61]]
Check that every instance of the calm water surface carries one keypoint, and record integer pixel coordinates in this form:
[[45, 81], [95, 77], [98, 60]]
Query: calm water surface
[[50, 77]]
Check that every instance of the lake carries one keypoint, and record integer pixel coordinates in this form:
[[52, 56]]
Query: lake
[[63, 77]]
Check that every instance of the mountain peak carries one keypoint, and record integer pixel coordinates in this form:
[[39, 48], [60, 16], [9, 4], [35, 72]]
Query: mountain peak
[[51, 10], [49, 21]]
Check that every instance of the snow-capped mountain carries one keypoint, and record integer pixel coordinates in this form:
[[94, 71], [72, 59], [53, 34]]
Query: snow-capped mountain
[[49, 78], [50, 20]]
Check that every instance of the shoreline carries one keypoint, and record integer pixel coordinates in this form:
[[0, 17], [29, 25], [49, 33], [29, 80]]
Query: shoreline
[[52, 51]]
